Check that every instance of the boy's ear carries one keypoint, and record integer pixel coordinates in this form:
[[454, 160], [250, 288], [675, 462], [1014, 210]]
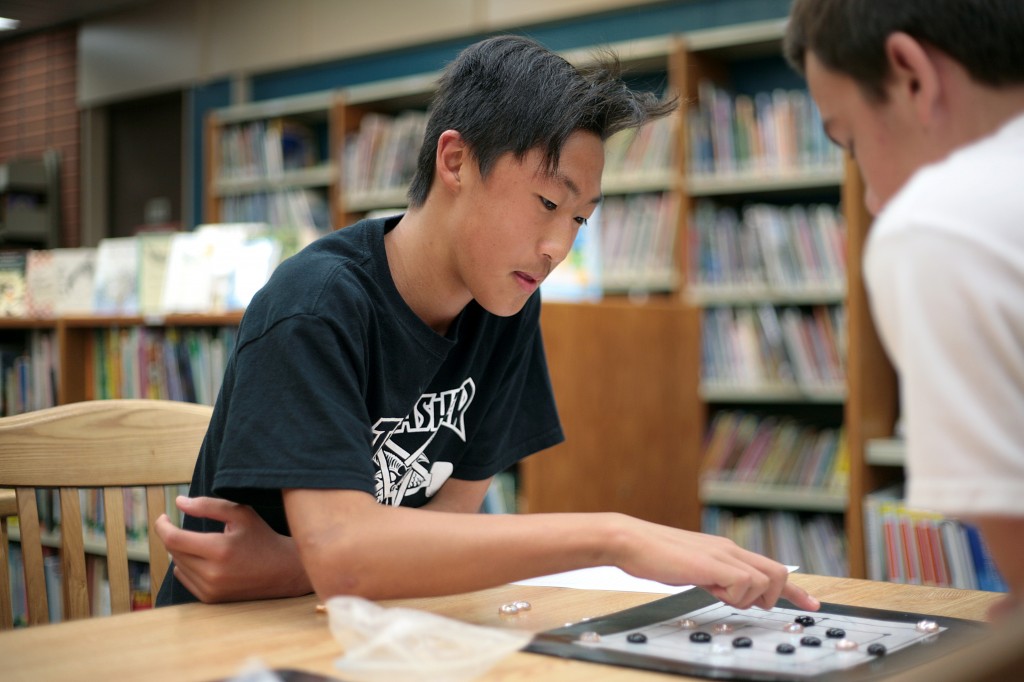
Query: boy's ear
[[913, 76], [452, 155]]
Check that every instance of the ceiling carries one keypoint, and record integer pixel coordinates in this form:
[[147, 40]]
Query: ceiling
[[36, 15]]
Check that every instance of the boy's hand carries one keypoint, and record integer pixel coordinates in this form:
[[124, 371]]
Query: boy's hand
[[738, 577], [247, 561]]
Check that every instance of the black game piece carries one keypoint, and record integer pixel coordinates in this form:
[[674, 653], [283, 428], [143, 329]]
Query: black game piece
[[636, 638], [810, 641], [835, 633], [742, 643], [785, 648], [804, 620], [701, 637], [876, 649]]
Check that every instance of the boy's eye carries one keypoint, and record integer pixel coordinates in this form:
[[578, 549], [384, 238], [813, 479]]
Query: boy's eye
[[548, 204], [580, 220]]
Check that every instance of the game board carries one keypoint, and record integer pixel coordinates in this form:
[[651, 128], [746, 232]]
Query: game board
[[656, 636]]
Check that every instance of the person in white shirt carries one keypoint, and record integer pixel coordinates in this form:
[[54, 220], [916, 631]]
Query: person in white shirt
[[928, 97]]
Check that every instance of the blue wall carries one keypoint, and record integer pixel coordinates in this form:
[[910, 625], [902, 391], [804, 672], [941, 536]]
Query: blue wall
[[638, 22]]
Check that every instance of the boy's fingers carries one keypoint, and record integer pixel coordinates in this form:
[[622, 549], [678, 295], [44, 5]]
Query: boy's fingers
[[800, 598], [207, 507]]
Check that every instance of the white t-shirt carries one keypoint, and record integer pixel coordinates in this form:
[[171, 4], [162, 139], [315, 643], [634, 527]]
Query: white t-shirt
[[944, 268]]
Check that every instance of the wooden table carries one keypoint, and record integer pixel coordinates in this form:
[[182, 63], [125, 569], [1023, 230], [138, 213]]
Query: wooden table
[[203, 642]]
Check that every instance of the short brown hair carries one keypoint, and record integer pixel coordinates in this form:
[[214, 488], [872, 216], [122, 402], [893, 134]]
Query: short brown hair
[[848, 36]]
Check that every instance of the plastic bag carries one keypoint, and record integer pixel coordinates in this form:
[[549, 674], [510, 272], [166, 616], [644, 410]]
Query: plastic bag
[[395, 644]]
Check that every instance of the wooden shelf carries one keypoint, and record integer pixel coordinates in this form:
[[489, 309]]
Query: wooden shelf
[[772, 393], [761, 181], [323, 175], [761, 496], [706, 296], [890, 452]]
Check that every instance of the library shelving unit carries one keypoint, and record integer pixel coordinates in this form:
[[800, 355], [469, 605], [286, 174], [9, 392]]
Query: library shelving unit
[[272, 160], [862, 402]]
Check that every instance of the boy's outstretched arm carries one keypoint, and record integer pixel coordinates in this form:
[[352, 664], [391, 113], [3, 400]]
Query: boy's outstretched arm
[[350, 544]]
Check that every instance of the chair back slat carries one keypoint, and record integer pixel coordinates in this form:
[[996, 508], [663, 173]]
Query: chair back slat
[[100, 444], [72, 557], [117, 550], [6, 603], [32, 557], [158, 559]]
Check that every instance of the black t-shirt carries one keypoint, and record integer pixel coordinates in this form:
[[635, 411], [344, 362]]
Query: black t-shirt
[[335, 383]]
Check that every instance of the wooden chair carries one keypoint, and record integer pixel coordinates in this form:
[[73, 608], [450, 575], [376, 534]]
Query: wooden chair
[[108, 444]]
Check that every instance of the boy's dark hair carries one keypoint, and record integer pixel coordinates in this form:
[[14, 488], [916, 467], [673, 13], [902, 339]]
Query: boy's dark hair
[[510, 94], [848, 36]]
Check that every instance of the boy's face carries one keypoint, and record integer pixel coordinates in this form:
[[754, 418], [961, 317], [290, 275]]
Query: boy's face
[[881, 137], [520, 222]]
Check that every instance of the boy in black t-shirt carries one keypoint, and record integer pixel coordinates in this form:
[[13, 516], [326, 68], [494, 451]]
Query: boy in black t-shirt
[[387, 372]]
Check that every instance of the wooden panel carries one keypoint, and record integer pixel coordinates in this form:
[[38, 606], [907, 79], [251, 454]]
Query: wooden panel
[[871, 381], [623, 374]]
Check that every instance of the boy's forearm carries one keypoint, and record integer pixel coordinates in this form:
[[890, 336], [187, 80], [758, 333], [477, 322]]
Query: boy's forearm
[[384, 552]]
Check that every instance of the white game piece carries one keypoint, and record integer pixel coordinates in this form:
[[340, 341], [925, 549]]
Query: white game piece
[[793, 628], [928, 626], [687, 623], [523, 605], [846, 645], [590, 637], [721, 628], [508, 609]]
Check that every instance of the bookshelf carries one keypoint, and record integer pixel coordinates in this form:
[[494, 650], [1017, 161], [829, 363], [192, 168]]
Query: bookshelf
[[741, 303]]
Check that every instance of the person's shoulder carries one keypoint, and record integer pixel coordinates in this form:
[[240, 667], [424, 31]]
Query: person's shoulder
[[335, 270], [964, 188]]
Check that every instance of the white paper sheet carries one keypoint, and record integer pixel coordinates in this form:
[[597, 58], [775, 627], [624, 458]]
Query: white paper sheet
[[607, 578], [603, 578]]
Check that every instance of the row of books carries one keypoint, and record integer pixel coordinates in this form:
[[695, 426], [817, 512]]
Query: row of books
[[184, 364], [97, 582], [29, 373], [764, 247], [766, 133], [261, 149], [626, 246], [303, 208], [921, 547], [381, 155], [636, 151], [770, 450], [815, 543], [213, 268], [754, 347]]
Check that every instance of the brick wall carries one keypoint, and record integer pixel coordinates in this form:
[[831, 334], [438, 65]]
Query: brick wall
[[38, 110]]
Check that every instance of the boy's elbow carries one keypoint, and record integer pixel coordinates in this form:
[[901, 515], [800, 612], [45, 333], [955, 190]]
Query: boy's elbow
[[333, 564]]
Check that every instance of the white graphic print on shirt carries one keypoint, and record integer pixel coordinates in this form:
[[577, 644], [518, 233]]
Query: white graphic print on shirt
[[402, 472]]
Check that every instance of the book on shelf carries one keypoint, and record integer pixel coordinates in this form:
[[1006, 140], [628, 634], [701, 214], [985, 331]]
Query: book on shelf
[[60, 282], [923, 547], [184, 364], [381, 155], [814, 542], [28, 373], [774, 348], [116, 283], [13, 294], [578, 277], [768, 249], [774, 451], [769, 132]]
